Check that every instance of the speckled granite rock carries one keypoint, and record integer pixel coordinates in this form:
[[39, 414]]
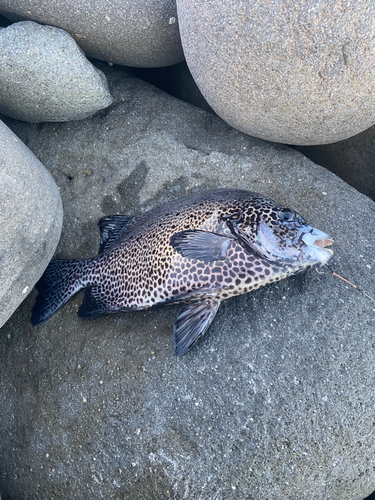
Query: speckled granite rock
[[353, 160], [277, 401], [294, 72], [44, 76], [143, 33], [30, 220]]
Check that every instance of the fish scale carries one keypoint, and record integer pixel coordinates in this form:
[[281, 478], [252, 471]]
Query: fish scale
[[198, 250]]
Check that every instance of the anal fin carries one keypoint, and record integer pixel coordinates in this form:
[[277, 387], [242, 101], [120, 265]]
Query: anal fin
[[93, 303], [192, 322]]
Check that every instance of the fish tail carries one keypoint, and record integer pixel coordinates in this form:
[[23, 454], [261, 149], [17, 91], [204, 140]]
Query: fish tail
[[60, 281]]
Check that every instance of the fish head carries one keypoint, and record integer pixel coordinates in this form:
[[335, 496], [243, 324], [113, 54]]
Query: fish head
[[282, 235]]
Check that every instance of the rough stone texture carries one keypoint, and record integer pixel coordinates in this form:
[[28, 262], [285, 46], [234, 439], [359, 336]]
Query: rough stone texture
[[44, 76], [353, 160], [142, 33], [293, 71], [30, 220], [277, 401]]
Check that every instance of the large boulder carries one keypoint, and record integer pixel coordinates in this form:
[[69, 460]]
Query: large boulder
[[277, 401], [30, 220], [294, 72], [45, 77], [353, 160], [142, 33]]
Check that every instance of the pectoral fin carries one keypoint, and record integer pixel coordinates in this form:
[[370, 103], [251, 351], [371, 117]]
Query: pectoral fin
[[200, 245], [192, 322]]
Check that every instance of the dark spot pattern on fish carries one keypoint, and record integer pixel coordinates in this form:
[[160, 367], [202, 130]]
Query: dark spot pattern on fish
[[197, 250]]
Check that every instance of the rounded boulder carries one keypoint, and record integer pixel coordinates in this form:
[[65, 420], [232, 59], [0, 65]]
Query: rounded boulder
[[44, 76], [276, 401], [31, 220], [293, 72], [142, 34]]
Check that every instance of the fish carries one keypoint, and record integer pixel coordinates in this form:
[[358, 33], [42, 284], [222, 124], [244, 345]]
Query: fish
[[196, 251]]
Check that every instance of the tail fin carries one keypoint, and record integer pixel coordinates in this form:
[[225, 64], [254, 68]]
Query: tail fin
[[60, 281]]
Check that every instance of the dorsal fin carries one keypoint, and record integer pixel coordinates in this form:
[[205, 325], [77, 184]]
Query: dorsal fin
[[110, 227]]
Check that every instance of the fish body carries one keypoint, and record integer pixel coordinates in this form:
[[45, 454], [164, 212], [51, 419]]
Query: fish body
[[198, 250]]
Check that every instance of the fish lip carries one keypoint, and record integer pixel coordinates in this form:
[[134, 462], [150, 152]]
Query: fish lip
[[324, 242], [317, 241], [318, 238]]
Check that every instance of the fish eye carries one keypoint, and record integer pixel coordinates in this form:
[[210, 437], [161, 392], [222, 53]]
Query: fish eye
[[286, 214]]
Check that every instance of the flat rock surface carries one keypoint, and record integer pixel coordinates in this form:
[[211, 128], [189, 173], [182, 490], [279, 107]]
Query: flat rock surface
[[30, 219], [142, 33], [276, 401], [293, 72], [44, 76]]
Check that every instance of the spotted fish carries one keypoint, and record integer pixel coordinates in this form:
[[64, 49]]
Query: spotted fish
[[197, 251]]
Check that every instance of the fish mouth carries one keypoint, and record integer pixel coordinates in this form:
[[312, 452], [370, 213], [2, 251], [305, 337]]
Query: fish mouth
[[323, 243], [317, 241]]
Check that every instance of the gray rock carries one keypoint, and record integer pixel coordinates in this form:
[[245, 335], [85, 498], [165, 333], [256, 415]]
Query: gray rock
[[142, 33], [30, 220], [293, 72], [44, 76], [277, 401], [353, 160]]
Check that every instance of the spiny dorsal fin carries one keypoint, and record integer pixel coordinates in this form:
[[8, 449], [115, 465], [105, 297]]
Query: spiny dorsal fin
[[110, 227], [200, 245], [192, 322]]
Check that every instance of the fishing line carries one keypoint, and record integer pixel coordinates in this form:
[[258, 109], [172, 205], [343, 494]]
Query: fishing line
[[351, 284]]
